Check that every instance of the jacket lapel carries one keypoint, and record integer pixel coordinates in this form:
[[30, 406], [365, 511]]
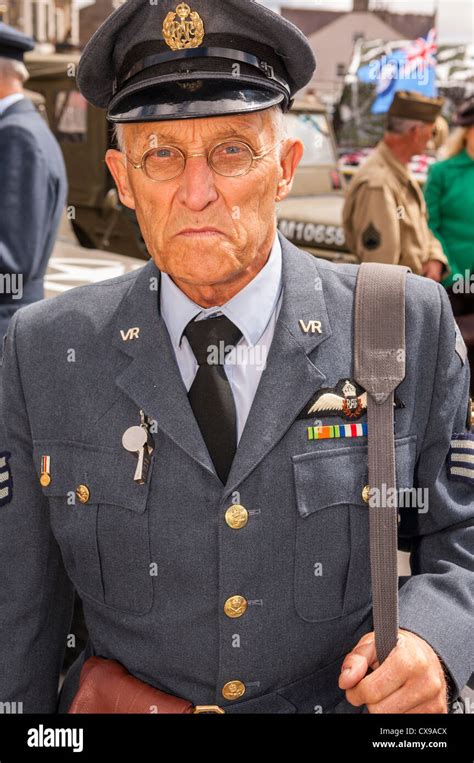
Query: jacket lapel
[[152, 379], [290, 377]]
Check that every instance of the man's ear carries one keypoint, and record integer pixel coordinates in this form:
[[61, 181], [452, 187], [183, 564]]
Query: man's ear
[[117, 165], [291, 157]]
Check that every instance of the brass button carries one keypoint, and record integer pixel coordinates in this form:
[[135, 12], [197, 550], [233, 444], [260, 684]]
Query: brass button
[[45, 479], [235, 606], [233, 690], [236, 516], [366, 493], [83, 493]]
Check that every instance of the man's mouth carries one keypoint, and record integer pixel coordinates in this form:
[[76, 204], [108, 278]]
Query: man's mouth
[[200, 232]]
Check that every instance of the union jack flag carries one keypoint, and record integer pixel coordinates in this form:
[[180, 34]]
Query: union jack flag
[[422, 52]]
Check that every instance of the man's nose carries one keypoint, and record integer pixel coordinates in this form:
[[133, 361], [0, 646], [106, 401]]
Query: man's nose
[[197, 187]]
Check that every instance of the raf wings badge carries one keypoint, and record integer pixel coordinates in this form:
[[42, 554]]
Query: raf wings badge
[[347, 400]]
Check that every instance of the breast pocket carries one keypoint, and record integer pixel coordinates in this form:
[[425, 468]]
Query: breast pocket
[[332, 562], [100, 519]]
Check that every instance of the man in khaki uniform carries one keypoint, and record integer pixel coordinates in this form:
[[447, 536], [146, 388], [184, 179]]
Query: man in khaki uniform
[[385, 218]]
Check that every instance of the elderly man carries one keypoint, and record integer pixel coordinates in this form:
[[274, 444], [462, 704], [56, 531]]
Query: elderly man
[[33, 182], [385, 217], [158, 455]]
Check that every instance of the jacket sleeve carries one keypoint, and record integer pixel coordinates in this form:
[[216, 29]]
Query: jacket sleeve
[[371, 223], [36, 596], [437, 601], [26, 198]]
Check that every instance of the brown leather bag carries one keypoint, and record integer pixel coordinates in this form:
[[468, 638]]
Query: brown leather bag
[[106, 687]]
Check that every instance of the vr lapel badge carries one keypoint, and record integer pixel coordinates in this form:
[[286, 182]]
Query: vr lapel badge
[[130, 334], [5, 479], [311, 327], [139, 441]]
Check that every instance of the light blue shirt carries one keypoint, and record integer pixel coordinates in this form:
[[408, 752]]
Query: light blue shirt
[[254, 310], [9, 100]]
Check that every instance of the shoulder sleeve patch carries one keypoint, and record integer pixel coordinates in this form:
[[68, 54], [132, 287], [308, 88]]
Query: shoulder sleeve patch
[[461, 457], [6, 482], [371, 237]]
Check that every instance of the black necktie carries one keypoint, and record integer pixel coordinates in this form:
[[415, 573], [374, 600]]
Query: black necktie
[[210, 395]]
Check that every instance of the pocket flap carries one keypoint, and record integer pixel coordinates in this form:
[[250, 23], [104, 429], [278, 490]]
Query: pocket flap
[[338, 475], [107, 473]]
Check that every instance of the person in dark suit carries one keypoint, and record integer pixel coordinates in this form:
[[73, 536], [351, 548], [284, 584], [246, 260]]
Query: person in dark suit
[[166, 470], [33, 184]]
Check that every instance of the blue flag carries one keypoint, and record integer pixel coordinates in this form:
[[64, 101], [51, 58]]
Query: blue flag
[[408, 68]]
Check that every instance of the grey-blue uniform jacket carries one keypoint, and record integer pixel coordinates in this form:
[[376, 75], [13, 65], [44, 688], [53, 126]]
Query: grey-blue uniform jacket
[[33, 194], [154, 564]]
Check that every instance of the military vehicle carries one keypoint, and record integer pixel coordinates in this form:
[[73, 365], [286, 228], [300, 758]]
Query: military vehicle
[[98, 220], [310, 218]]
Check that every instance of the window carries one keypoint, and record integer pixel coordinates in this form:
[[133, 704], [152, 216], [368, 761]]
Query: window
[[313, 131]]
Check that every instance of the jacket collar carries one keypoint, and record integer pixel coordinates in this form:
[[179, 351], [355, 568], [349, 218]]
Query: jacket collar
[[153, 381], [388, 157], [19, 107]]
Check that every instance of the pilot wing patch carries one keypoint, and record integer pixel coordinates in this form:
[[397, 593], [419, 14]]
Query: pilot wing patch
[[347, 399], [5, 479]]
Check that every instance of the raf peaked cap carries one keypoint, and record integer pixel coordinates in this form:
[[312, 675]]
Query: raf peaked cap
[[14, 44], [411, 105], [153, 60]]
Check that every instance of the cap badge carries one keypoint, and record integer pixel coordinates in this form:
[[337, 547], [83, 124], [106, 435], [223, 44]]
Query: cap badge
[[183, 29]]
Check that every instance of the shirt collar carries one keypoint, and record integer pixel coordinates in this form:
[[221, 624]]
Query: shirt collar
[[250, 309], [9, 100]]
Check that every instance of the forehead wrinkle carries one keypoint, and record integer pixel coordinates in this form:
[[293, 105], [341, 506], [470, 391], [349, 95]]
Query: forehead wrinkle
[[240, 130]]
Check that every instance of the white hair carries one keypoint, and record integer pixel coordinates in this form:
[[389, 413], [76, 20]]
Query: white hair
[[278, 118], [401, 126], [13, 70]]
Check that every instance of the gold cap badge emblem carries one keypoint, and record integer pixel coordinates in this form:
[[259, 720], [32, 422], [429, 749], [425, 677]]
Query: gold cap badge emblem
[[183, 29]]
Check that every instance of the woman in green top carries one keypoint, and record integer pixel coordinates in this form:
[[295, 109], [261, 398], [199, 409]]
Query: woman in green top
[[449, 194]]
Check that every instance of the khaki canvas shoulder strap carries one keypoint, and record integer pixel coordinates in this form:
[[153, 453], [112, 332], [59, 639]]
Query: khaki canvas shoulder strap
[[379, 367]]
